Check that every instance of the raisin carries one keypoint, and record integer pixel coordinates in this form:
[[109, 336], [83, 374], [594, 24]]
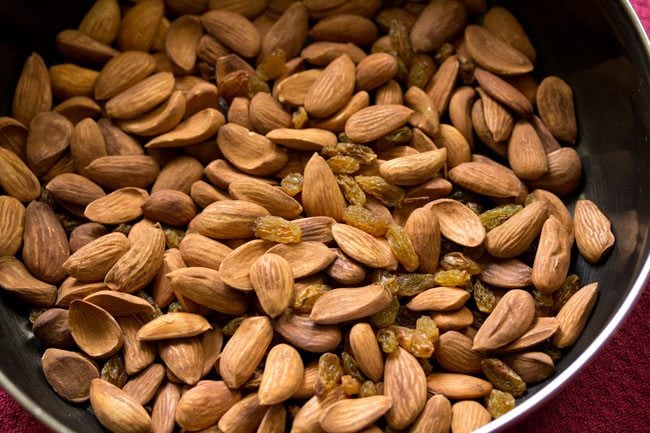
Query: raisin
[[365, 220], [444, 52], [569, 287], [426, 365], [387, 340], [378, 187], [461, 262], [35, 313], [173, 237], [368, 389], [493, 218], [412, 284], [257, 85], [175, 307], [407, 318], [452, 278], [414, 340], [256, 379], [401, 41], [300, 118], [329, 373], [157, 311], [272, 66], [399, 136], [503, 377], [343, 164], [499, 403], [422, 69], [125, 229], [484, 297], [69, 222], [351, 367], [351, 190], [114, 371], [350, 385], [276, 229], [291, 184], [386, 317], [364, 154], [543, 303], [552, 351], [234, 84], [307, 297], [388, 280], [466, 70], [426, 325], [230, 327], [401, 246]]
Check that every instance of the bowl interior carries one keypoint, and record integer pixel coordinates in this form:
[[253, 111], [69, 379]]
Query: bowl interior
[[592, 45]]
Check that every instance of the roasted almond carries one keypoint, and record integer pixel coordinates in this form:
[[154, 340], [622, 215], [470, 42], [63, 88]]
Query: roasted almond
[[458, 386], [229, 219], [182, 40], [141, 97], [122, 171], [498, 120], [552, 258], [204, 286], [593, 231], [93, 261], [203, 405], [366, 351], [305, 334], [272, 280], [460, 112], [118, 207], [457, 222], [138, 355], [308, 417], [514, 236], [69, 80], [102, 21], [573, 315], [426, 116], [45, 244], [235, 267], [179, 174], [438, 23], [94, 330], [294, 89]]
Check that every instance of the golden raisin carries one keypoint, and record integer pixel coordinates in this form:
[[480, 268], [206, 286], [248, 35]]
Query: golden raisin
[[499, 403], [452, 278], [402, 248], [272, 66], [493, 218], [378, 187], [329, 373], [343, 164], [422, 69], [276, 229], [291, 184], [307, 297], [351, 190], [460, 261], [386, 317], [300, 118], [387, 340], [412, 284], [365, 220], [503, 377]]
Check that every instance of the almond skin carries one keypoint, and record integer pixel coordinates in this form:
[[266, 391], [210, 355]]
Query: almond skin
[[12, 225], [439, 22], [321, 195], [366, 351], [342, 305], [375, 70], [282, 375], [33, 91], [353, 416], [272, 280], [93, 261], [573, 315], [555, 105], [69, 374], [405, 383], [552, 258], [203, 405], [376, 121]]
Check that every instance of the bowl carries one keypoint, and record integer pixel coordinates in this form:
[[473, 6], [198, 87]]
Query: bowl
[[597, 46]]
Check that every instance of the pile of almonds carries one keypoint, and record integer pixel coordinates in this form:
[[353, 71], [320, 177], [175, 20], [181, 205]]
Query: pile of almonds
[[318, 216]]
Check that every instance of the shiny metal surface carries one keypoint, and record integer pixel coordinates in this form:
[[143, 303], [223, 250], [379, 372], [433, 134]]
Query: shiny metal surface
[[598, 46]]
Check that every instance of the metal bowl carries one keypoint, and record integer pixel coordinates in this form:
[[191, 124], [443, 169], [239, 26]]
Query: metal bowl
[[599, 47]]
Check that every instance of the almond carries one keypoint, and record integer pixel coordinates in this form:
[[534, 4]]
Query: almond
[[141, 97], [229, 219], [244, 416], [294, 88], [33, 92], [308, 417], [72, 289], [375, 70], [414, 169], [508, 274], [458, 386], [250, 152], [557, 209], [345, 28], [336, 123], [272, 280], [389, 93], [307, 140], [245, 349], [457, 222], [333, 88], [169, 207], [564, 172], [282, 375], [493, 54], [498, 120], [514, 236], [426, 116], [234, 31], [69, 374], [573, 315], [509, 320], [482, 130], [12, 225], [139, 266], [123, 72], [468, 416], [199, 250], [288, 33], [438, 23], [553, 257], [406, 384], [504, 24], [541, 329], [119, 304], [532, 367], [82, 48], [182, 41], [93, 261], [324, 53], [13, 136], [460, 112], [274, 420], [204, 286], [486, 179], [70, 80], [344, 270], [183, 358], [442, 84], [179, 174], [355, 415], [556, 108], [376, 121], [159, 120], [593, 231], [235, 267], [503, 92], [102, 21], [143, 387], [86, 144], [305, 334], [121, 206], [164, 408], [203, 405], [439, 299], [526, 153], [366, 351], [94, 330], [267, 114], [361, 246], [305, 258], [116, 410], [47, 141], [342, 305], [45, 244], [139, 26], [435, 417], [321, 195]]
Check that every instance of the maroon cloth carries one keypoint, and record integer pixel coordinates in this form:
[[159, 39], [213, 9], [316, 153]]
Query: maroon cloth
[[611, 394]]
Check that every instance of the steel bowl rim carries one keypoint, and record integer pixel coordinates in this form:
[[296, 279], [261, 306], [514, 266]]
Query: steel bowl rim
[[516, 415]]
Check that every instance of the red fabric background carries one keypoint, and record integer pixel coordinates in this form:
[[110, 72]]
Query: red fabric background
[[611, 395]]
